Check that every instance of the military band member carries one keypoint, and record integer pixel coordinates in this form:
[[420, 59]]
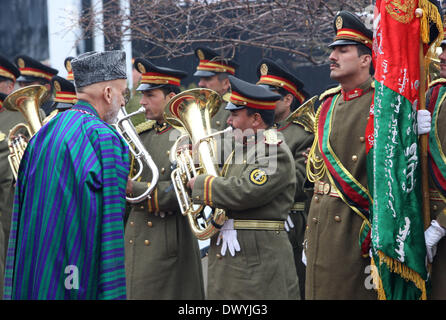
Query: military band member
[[162, 254], [35, 72], [336, 263], [435, 234], [278, 79], [8, 75], [64, 96], [213, 70], [257, 194]]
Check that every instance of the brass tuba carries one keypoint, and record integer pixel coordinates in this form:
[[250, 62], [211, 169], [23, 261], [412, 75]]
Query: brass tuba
[[190, 112], [27, 100], [126, 129], [305, 115]]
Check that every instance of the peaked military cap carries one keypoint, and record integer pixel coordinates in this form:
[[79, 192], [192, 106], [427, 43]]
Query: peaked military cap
[[154, 77], [8, 70], [211, 63], [65, 93], [274, 75], [350, 29], [245, 94], [32, 70], [67, 64]]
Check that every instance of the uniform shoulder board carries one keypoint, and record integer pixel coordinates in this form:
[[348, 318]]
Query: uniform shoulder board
[[330, 92], [437, 81], [144, 126], [271, 137]]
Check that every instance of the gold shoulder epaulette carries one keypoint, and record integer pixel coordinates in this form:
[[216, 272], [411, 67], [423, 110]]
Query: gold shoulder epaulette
[[271, 137], [437, 81], [330, 92], [146, 125]]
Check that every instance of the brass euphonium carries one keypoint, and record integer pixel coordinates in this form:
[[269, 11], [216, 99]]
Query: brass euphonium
[[127, 130], [27, 100], [305, 115], [190, 112]]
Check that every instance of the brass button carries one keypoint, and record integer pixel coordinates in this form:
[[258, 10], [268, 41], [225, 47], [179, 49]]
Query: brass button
[[217, 123], [132, 223], [218, 256], [244, 161], [435, 207], [163, 170], [315, 220], [197, 197], [141, 207], [149, 224], [131, 241], [355, 158], [146, 242], [168, 152], [337, 218], [316, 199], [362, 139]]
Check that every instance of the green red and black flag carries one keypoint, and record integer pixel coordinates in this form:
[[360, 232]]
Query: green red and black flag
[[394, 172]]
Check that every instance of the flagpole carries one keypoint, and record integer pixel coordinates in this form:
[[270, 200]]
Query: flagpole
[[423, 144]]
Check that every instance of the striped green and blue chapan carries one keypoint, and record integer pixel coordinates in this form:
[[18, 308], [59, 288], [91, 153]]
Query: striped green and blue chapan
[[68, 211]]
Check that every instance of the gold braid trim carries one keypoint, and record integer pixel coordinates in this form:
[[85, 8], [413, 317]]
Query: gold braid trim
[[437, 81], [430, 14], [315, 166], [329, 92]]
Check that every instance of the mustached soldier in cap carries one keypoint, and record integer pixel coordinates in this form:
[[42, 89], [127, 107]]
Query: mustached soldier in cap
[[251, 257], [278, 79], [162, 255], [8, 75], [35, 72], [213, 70], [336, 262]]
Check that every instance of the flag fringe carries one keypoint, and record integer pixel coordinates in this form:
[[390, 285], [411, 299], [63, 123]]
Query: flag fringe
[[397, 267], [430, 14]]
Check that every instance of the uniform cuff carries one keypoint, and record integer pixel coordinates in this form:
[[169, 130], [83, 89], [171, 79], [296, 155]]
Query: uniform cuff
[[202, 192]]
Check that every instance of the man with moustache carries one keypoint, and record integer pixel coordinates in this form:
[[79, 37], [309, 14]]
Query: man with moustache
[[335, 261], [162, 255], [67, 233]]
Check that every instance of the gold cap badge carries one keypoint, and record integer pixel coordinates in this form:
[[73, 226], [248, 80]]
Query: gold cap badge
[[339, 22], [200, 54], [141, 68], [21, 63], [57, 86], [264, 69]]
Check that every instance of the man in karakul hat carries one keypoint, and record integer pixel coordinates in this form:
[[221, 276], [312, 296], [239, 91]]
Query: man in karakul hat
[[67, 234]]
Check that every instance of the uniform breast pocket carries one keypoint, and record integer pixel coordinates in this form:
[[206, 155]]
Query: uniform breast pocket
[[249, 247], [171, 235]]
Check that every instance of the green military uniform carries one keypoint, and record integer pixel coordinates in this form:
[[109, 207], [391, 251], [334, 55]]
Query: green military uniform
[[298, 140], [162, 255], [257, 201], [437, 198], [277, 78], [8, 119], [335, 265]]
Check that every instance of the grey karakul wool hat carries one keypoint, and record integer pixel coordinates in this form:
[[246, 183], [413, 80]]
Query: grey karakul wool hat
[[93, 67]]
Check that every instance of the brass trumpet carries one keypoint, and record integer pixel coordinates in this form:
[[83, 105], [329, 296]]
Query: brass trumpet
[[126, 129], [27, 100], [305, 115], [190, 112]]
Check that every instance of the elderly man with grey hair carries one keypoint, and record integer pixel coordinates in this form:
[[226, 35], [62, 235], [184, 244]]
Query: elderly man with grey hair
[[67, 234]]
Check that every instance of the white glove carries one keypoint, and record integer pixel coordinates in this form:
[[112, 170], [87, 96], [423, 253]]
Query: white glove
[[304, 258], [229, 236], [432, 235], [288, 224], [424, 121]]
